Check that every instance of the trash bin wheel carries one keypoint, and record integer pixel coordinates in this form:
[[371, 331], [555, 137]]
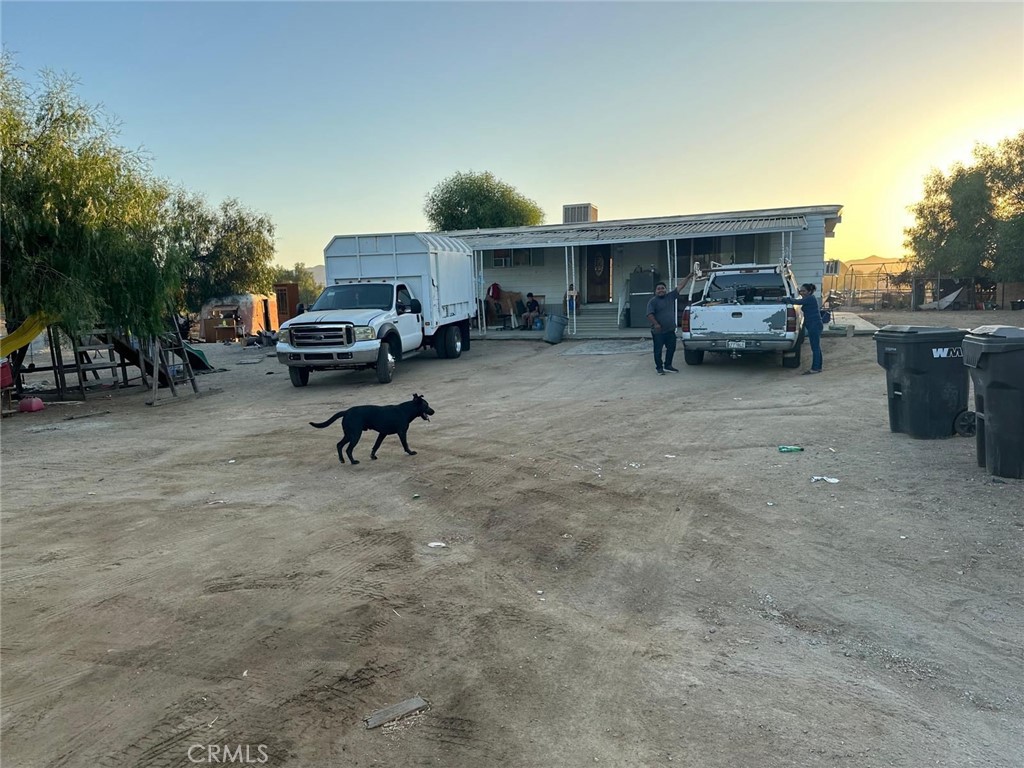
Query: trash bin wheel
[[964, 424]]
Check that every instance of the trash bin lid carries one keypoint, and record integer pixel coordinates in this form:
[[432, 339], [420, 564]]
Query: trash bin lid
[[912, 334], [993, 339]]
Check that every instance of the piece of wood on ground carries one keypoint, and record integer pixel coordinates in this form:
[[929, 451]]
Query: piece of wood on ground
[[396, 711]]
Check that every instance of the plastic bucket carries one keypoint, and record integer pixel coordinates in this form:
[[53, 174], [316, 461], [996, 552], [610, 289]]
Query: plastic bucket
[[555, 329]]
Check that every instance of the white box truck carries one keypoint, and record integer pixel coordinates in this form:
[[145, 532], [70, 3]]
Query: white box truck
[[388, 297]]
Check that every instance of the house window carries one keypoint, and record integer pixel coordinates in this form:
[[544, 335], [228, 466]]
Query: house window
[[503, 258]]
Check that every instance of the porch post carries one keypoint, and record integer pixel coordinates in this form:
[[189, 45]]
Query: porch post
[[565, 257], [478, 267]]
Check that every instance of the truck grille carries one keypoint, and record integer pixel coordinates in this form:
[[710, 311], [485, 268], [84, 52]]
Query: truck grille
[[323, 335]]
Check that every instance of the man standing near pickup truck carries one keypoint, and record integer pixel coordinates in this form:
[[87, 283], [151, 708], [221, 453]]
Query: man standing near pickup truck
[[813, 326], [661, 313]]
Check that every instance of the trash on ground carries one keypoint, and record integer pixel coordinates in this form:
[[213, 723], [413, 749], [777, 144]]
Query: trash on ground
[[396, 711], [790, 449], [832, 480], [415, 495], [86, 415], [437, 544], [232, 461], [670, 455]]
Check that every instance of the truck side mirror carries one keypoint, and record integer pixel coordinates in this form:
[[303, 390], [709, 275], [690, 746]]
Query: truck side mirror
[[415, 307]]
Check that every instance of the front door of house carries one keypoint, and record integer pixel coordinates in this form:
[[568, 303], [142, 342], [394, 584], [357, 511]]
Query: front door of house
[[599, 274]]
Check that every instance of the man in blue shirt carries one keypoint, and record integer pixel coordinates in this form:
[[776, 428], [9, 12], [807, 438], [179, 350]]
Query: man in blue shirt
[[661, 313]]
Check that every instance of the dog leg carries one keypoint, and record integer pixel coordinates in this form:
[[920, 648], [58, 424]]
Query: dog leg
[[405, 443], [341, 446], [376, 445], [353, 440]]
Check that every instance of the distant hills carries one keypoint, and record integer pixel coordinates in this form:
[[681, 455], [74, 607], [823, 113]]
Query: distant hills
[[319, 273]]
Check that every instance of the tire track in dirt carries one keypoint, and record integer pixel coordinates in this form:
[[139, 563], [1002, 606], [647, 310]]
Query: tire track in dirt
[[149, 568], [25, 694], [241, 582]]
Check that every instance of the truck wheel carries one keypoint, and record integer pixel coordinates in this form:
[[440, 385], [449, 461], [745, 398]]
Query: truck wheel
[[299, 376], [452, 342], [791, 359], [441, 342], [385, 363], [693, 356]]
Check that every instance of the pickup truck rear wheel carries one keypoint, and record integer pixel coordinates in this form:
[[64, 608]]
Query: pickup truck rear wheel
[[452, 341], [792, 359], [693, 356], [299, 376], [385, 363]]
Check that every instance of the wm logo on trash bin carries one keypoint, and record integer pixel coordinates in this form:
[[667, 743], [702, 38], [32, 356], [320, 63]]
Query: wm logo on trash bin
[[947, 352]]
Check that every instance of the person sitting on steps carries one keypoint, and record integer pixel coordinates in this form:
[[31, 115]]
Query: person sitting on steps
[[531, 314]]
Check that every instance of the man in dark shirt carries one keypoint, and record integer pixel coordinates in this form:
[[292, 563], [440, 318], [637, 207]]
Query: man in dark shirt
[[661, 313]]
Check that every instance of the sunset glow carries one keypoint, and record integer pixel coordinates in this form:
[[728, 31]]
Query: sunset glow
[[340, 117]]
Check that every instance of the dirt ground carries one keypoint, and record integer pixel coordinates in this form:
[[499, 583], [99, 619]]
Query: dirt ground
[[633, 574]]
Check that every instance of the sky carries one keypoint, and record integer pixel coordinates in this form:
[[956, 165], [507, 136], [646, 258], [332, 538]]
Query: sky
[[340, 117]]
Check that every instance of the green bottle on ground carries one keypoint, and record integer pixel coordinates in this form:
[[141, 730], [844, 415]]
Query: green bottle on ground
[[790, 449]]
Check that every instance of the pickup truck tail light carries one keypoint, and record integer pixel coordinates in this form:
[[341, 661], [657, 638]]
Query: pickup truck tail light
[[790, 320], [684, 324]]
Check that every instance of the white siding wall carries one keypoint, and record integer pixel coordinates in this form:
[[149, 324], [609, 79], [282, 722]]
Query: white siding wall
[[809, 252]]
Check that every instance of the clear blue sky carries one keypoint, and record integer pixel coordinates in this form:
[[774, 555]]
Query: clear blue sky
[[339, 117]]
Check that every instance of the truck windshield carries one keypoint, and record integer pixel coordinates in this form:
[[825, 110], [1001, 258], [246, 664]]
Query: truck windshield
[[357, 296], [747, 288]]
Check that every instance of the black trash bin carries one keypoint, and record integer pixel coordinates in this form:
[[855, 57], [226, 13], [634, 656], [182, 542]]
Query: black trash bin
[[925, 378], [994, 355]]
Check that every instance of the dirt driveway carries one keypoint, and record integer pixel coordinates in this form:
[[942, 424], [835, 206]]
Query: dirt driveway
[[633, 574]]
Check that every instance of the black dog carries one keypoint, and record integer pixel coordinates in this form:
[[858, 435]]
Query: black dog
[[384, 419]]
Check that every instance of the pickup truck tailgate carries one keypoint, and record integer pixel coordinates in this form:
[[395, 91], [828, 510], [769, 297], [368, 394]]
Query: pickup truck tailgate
[[738, 320]]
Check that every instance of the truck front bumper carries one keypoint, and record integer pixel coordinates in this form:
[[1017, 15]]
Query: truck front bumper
[[362, 354]]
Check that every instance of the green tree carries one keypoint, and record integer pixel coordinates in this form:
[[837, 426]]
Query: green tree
[[469, 200], [230, 250], [309, 288], [83, 225], [1004, 169], [970, 223]]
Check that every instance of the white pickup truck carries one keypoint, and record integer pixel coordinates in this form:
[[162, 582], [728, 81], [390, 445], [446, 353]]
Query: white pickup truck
[[741, 311]]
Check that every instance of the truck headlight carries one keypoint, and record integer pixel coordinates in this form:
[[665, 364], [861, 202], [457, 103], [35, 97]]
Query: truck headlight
[[284, 336], [365, 333]]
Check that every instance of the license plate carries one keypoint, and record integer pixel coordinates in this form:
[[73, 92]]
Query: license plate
[[736, 344]]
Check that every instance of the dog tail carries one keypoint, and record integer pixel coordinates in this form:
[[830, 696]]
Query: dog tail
[[330, 421]]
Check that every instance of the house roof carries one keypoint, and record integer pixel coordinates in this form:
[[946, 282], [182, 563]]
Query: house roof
[[660, 228]]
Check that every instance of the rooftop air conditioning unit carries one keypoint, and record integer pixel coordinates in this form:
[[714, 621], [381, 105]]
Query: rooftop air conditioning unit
[[578, 213]]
